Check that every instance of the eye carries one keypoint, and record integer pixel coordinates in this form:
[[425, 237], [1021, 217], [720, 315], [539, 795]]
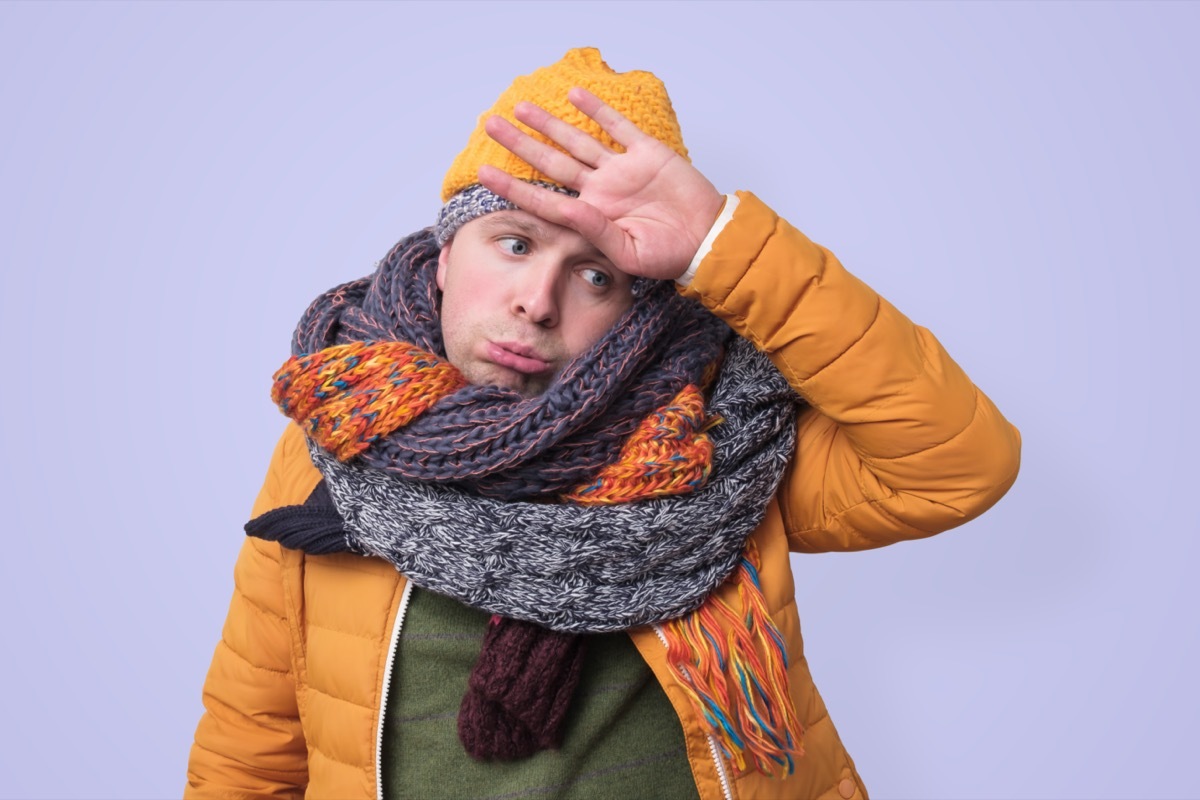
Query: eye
[[596, 278], [513, 246]]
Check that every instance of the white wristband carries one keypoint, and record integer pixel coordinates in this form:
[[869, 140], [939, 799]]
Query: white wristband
[[731, 202]]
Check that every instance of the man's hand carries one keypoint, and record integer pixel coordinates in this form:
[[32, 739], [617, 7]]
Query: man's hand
[[646, 209]]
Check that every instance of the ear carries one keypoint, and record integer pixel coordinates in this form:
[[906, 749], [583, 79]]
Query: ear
[[443, 263]]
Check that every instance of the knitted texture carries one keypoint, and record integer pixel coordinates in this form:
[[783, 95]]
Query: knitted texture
[[669, 453], [593, 568], [352, 394], [348, 396], [475, 201], [519, 690], [639, 96], [488, 440], [315, 527]]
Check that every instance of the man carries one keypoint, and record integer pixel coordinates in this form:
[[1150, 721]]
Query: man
[[578, 489]]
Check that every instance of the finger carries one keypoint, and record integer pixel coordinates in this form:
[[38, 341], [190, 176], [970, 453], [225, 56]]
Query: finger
[[560, 209], [614, 124], [555, 164], [582, 146]]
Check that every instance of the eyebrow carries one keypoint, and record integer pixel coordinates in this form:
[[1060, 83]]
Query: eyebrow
[[500, 219]]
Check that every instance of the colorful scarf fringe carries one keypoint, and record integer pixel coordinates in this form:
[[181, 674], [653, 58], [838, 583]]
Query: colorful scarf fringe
[[734, 671]]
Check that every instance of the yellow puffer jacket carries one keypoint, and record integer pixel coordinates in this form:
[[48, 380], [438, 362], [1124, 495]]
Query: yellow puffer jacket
[[898, 444]]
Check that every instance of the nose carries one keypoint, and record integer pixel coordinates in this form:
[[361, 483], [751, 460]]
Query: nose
[[536, 296]]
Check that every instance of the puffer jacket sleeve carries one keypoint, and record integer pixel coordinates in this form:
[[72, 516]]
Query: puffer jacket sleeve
[[249, 743], [897, 443]]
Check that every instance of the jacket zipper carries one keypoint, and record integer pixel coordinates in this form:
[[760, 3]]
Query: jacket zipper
[[387, 683], [713, 747]]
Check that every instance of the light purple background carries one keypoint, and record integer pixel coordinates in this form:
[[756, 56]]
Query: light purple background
[[178, 181]]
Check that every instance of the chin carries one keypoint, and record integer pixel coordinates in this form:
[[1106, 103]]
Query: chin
[[525, 385], [531, 387]]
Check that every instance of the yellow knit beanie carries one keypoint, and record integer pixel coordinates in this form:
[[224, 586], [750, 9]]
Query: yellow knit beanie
[[639, 96]]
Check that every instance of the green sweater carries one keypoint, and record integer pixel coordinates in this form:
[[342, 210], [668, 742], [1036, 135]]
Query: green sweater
[[623, 739]]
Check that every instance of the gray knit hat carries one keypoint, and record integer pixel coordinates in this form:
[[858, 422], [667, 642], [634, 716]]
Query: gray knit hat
[[475, 201]]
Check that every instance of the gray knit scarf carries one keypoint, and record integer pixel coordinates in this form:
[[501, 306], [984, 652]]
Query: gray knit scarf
[[458, 499], [584, 569]]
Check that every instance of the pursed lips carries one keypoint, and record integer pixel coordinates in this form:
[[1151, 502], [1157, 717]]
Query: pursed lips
[[517, 356]]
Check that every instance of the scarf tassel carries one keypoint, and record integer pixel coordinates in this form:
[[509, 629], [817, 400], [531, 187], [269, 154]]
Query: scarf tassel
[[733, 668]]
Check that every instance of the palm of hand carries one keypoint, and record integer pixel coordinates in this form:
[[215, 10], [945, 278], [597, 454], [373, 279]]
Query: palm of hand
[[647, 209]]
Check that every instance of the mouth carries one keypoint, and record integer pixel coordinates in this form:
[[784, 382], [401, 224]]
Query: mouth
[[519, 357]]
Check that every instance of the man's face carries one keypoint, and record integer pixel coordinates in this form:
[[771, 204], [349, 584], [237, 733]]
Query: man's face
[[521, 297]]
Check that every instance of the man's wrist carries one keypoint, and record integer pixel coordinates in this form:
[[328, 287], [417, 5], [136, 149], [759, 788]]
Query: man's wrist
[[731, 203]]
